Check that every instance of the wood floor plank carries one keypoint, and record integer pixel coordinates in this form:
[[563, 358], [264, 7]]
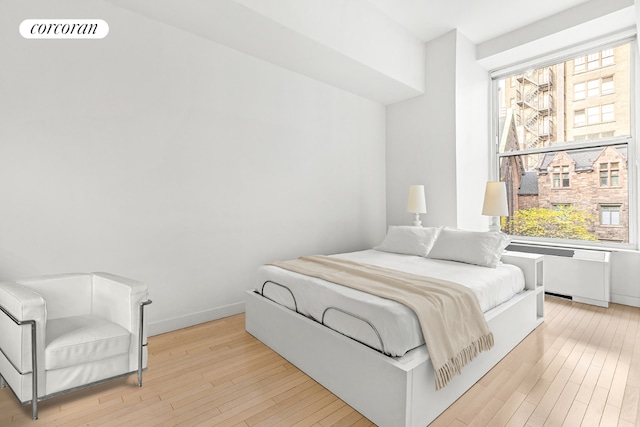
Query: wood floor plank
[[562, 406], [581, 367], [575, 415]]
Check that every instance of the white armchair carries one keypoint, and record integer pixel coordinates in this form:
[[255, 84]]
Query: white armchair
[[85, 328]]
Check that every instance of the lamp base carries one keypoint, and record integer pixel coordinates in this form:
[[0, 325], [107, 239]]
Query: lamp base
[[416, 220], [494, 224]]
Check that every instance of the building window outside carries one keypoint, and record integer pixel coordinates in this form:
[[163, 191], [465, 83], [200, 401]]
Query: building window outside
[[578, 91], [593, 88], [607, 113], [593, 61], [607, 57], [604, 174], [610, 215], [607, 85], [560, 176], [546, 125], [610, 174], [593, 115], [577, 141]]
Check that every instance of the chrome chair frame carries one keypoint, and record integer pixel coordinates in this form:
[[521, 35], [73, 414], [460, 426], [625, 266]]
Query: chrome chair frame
[[34, 362]]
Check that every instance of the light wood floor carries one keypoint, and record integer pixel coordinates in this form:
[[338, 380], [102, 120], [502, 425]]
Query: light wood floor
[[581, 367]]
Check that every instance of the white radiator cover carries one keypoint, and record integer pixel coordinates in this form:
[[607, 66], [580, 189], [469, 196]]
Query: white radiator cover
[[585, 277]]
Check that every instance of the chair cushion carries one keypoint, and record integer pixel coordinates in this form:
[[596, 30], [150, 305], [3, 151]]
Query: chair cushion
[[82, 339]]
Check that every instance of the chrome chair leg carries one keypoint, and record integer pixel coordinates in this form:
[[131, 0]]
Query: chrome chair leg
[[2, 383], [141, 343]]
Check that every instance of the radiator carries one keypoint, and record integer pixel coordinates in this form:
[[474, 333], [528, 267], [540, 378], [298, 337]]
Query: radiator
[[580, 274]]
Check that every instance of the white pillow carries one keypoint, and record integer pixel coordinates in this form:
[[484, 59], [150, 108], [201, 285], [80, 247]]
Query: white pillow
[[405, 239], [471, 247]]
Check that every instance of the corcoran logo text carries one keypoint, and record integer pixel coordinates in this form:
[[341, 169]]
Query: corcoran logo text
[[64, 29]]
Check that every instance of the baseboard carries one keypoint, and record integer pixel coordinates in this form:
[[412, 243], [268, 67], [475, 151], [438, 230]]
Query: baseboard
[[168, 325], [625, 300]]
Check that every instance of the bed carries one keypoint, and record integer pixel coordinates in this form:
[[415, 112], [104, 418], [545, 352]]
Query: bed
[[368, 350]]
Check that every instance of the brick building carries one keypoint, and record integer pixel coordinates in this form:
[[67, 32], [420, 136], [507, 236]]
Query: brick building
[[592, 180]]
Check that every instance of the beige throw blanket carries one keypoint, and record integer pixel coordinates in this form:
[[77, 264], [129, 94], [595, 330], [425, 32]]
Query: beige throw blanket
[[452, 323]]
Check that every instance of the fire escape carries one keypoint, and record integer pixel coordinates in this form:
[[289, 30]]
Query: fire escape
[[536, 107]]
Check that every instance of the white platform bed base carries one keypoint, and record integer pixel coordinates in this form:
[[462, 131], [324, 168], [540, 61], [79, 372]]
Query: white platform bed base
[[389, 391]]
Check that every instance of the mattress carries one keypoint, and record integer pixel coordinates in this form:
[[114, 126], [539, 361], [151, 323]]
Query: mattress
[[385, 325]]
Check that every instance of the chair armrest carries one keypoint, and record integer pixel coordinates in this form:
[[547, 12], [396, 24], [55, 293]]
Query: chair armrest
[[118, 299], [20, 304]]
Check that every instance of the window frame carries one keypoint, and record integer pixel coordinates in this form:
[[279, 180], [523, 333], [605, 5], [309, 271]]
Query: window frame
[[561, 174], [580, 91], [593, 115], [605, 90], [610, 172], [602, 207], [628, 36], [608, 113], [593, 88]]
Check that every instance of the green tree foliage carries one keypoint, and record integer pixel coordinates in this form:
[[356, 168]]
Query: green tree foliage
[[564, 222]]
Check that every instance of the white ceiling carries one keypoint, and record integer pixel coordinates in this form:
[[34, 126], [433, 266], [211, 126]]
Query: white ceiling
[[478, 20]]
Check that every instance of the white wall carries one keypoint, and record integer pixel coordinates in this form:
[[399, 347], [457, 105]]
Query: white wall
[[421, 142], [439, 139], [472, 135], [161, 156]]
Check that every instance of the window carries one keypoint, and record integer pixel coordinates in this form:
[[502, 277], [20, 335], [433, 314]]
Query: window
[[593, 115], [564, 161], [578, 91], [607, 57], [560, 176], [610, 215], [594, 60], [615, 174], [607, 113], [610, 174], [607, 85], [546, 126], [593, 88], [604, 174]]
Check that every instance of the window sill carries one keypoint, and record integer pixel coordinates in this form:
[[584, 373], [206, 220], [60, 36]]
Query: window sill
[[612, 247]]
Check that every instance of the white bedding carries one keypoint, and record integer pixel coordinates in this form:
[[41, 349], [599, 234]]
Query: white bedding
[[383, 324]]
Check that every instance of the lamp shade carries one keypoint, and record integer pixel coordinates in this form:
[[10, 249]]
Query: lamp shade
[[416, 202], [495, 199]]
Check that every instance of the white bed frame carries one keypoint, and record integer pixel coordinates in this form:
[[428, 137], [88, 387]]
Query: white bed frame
[[391, 391]]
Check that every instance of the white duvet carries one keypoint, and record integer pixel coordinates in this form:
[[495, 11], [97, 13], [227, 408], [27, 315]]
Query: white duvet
[[385, 325]]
